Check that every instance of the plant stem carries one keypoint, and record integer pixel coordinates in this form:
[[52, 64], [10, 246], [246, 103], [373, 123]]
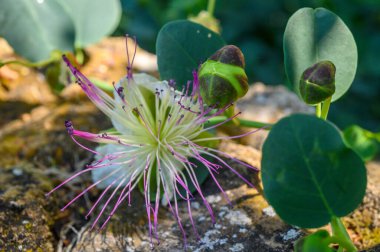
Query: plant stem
[[242, 122], [318, 109], [230, 112], [102, 85], [255, 124], [325, 108], [340, 232], [79, 55], [29, 64], [211, 7]]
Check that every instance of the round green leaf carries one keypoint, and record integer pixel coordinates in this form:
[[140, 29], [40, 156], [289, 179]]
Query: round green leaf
[[316, 242], [93, 19], [361, 141], [181, 47], [314, 35], [35, 28], [309, 175]]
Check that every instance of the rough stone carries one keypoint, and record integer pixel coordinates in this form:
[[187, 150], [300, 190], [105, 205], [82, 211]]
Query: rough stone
[[24, 213]]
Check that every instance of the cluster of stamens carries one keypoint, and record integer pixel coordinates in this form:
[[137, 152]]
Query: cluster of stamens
[[158, 138]]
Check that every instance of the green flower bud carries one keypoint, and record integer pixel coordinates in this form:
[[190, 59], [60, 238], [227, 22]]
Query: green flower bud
[[222, 78], [318, 82]]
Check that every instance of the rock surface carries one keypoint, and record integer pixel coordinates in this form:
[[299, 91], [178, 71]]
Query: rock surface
[[24, 213]]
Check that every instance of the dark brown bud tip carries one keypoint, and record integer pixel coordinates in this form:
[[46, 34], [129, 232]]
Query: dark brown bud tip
[[229, 54]]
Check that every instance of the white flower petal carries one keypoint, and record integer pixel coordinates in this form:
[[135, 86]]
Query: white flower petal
[[99, 173]]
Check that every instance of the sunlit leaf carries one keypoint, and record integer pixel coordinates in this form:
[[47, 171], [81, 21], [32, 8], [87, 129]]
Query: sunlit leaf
[[93, 19], [309, 174], [362, 141], [35, 28]]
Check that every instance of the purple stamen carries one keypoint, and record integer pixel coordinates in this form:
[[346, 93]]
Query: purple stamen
[[232, 169], [89, 188], [99, 199], [147, 205], [68, 180], [106, 204], [120, 93], [192, 220], [196, 90], [191, 173], [205, 112], [91, 90], [230, 137], [235, 159], [96, 166], [171, 83], [175, 212], [127, 194], [122, 196], [130, 62], [219, 186], [219, 112], [222, 123], [179, 120], [69, 127], [156, 207], [187, 88]]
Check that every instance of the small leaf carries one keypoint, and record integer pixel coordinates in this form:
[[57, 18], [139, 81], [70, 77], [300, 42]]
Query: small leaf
[[316, 242], [309, 175], [93, 19], [35, 29], [181, 47], [314, 35], [361, 141]]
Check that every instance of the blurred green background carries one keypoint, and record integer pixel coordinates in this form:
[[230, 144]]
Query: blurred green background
[[257, 27]]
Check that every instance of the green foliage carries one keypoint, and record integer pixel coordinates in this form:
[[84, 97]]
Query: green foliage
[[257, 27], [181, 47], [309, 175], [144, 19], [316, 242], [35, 29], [313, 35], [93, 20], [364, 142]]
